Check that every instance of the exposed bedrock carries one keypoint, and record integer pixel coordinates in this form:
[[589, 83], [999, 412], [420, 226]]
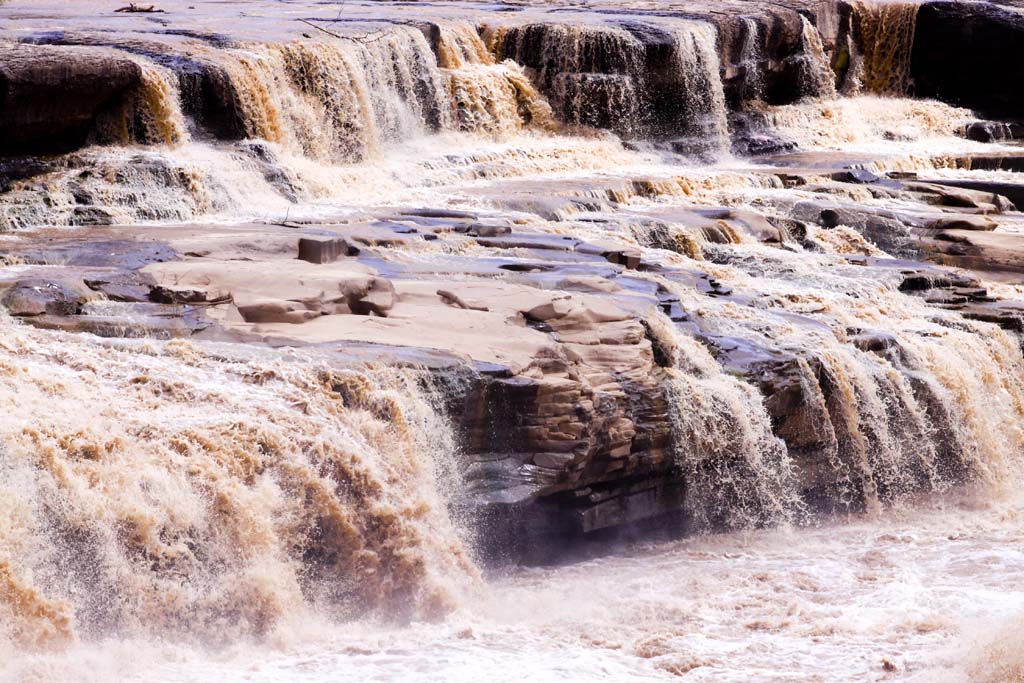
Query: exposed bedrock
[[640, 75], [969, 54], [590, 388], [51, 98]]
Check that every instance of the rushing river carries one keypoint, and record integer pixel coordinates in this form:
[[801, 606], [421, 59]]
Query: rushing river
[[929, 594]]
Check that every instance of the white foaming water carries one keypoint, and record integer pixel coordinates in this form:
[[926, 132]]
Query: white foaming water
[[903, 596], [202, 493]]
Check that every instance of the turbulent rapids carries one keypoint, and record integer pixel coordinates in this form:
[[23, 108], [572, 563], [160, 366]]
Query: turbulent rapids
[[455, 340]]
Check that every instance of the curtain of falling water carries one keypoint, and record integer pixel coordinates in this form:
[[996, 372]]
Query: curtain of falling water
[[166, 489], [886, 36]]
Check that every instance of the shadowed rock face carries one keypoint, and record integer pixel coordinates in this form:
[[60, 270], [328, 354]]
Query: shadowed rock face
[[967, 54], [51, 97]]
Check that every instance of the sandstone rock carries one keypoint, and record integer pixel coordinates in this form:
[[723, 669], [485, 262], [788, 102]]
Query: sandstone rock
[[628, 258], [168, 295], [37, 297], [125, 286], [157, 327], [272, 311], [983, 223], [50, 96], [91, 215], [376, 297], [325, 249], [486, 230], [1004, 195]]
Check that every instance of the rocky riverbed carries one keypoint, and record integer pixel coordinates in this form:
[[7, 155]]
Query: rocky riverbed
[[399, 290]]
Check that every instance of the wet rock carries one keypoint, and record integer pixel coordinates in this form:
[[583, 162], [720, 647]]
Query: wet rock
[[167, 295], [828, 218], [925, 278], [440, 213], [209, 96], [38, 297], [51, 97], [275, 311], [889, 231], [962, 55], [858, 176], [759, 144], [91, 215], [485, 230], [959, 197], [1007, 314], [96, 252], [1005, 196], [628, 258], [124, 286], [983, 223], [165, 327], [994, 131]]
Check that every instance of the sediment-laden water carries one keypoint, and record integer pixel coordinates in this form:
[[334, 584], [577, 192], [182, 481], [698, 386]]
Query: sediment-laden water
[[751, 310]]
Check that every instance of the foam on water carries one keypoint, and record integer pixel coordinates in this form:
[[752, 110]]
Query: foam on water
[[909, 595], [159, 498]]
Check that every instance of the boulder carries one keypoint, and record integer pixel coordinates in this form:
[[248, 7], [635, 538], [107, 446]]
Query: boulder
[[375, 296], [325, 249], [994, 131], [38, 297]]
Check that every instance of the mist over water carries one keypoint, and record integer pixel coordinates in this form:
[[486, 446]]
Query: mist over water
[[200, 511]]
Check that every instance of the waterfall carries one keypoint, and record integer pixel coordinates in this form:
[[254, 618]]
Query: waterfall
[[486, 95], [887, 407], [885, 32], [699, 81], [150, 115], [591, 74], [338, 102], [209, 493], [737, 471], [750, 60], [817, 76]]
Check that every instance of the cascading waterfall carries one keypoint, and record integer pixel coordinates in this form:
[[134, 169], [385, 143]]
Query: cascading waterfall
[[340, 101], [172, 489], [905, 414], [817, 76], [519, 199], [881, 62], [486, 95], [750, 60], [599, 76], [699, 82], [737, 470], [589, 73]]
